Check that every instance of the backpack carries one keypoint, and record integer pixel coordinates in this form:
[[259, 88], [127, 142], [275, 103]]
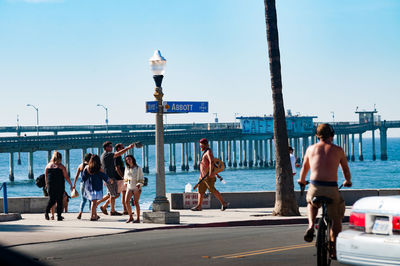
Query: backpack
[[40, 181]]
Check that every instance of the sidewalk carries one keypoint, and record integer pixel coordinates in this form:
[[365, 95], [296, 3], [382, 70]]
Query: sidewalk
[[33, 228]]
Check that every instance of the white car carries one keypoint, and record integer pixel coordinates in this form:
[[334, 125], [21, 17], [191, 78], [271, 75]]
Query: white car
[[374, 234]]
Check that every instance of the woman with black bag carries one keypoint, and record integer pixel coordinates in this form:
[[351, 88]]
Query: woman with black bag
[[55, 176]]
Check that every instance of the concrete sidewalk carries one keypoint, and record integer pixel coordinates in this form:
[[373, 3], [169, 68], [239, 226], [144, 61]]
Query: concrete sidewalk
[[33, 228]]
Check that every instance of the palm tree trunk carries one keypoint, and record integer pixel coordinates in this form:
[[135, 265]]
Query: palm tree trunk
[[285, 200]]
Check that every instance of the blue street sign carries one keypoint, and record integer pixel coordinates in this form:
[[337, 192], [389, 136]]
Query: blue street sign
[[185, 107], [178, 107]]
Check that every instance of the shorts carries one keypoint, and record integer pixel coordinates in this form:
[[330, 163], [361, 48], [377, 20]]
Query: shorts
[[121, 186], [112, 189], [207, 183], [135, 190], [337, 208]]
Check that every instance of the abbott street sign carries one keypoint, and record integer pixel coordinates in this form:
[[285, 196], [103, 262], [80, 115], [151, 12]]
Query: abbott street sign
[[178, 107]]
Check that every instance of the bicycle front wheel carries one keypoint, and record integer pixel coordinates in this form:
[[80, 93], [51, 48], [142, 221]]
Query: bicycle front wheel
[[322, 244]]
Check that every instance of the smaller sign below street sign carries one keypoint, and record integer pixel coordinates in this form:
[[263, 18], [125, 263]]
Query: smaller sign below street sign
[[178, 107], [151, 107]]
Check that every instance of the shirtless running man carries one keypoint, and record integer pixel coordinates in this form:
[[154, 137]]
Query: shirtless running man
[[323, 160]]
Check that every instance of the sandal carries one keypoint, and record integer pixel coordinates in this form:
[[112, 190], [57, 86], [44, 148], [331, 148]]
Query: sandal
[[224, 207], [104, 210], [196, 209], [129, 220], [136, 222], [309, 235]]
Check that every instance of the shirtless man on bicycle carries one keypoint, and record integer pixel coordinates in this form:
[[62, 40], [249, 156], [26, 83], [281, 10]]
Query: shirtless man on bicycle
[[323, 160]]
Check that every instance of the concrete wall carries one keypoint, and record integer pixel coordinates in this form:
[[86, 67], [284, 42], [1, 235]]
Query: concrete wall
[[266, 199], [257, 199], [25, 204]]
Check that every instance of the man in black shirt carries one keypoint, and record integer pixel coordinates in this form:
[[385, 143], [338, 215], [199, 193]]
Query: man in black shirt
[[120, 169], [108, 165]]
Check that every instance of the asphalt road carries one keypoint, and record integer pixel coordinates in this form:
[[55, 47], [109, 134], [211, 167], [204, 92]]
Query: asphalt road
[[259, 245]]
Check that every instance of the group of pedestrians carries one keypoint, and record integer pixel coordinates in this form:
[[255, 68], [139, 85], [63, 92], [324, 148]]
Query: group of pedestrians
[[126, 179]]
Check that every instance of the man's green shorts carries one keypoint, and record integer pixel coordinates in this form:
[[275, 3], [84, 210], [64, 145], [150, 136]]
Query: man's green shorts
[[207, 183]]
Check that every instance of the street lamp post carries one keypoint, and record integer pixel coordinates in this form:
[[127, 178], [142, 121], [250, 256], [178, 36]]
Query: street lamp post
[[216, 117], [160, 207], [37, 117], [106, 109]]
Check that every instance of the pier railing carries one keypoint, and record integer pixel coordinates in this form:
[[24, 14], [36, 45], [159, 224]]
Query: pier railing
[[114, 128], [78, 141]]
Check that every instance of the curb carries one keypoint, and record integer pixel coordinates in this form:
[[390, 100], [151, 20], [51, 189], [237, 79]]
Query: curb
[[10, 217], [287, 221]]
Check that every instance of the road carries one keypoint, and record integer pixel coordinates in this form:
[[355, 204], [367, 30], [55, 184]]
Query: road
[[258, 245]]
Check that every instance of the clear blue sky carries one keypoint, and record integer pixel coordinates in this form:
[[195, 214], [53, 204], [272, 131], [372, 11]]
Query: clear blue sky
[[66, 56]]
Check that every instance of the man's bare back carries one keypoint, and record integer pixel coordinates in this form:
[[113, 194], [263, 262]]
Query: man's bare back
[[323, 159]]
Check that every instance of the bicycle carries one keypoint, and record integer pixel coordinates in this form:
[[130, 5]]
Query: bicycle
[[323, 243]]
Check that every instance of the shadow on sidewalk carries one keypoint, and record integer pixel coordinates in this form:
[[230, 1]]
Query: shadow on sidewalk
[[19, 227]]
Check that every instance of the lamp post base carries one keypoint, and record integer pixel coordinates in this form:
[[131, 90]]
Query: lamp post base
[[161, 217], [160, 204], [161, 213]]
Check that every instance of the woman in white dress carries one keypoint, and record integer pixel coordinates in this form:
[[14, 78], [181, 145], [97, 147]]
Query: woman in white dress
[[134, 180]]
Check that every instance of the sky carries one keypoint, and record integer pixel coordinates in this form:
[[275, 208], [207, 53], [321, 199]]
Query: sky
[[67, 56]]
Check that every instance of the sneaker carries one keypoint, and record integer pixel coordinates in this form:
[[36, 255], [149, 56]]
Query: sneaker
[[115, 213], [104, 210], [224, 207], [309, 235]]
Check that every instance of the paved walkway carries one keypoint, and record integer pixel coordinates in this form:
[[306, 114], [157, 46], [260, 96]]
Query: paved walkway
[[33, 228]]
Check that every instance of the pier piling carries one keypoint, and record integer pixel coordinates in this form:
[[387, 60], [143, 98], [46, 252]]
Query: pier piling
[[383, 139], [30, 165], [11, 174], [360, 148], [234, 163], [352, 158], [373, 145]]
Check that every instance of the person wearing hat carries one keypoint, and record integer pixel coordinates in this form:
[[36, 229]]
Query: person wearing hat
[[323, 160], [206, 167]]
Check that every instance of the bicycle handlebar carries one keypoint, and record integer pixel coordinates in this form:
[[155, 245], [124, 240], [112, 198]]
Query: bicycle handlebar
[[303, 186]]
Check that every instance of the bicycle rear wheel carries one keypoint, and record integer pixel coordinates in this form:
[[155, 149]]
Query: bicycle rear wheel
[[322, 244]]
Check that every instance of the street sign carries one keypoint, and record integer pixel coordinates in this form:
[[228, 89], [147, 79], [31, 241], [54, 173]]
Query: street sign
[[178, 107], [185, 107]]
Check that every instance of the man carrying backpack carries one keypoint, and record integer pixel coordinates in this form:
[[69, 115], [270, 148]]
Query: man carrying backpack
[[206, 169]]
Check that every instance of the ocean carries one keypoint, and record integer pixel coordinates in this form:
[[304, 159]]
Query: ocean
[[365, 174]]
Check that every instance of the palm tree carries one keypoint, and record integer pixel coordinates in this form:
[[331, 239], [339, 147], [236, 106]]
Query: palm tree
[[285, 200]]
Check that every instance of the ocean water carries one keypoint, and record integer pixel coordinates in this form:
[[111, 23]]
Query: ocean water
[[365, 174]]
